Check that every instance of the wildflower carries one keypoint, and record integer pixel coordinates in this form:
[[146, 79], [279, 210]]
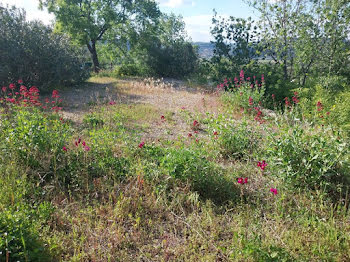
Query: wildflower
[[84, 143], [286, 100], [162, 118], [215, 133], [79, 140], [112, 103], [64, 149], [4, 88], [262, 165], [273, 190], [141, 145], [12, 86], [262, 78], [55, 94], [250, 101], [197, 140], [328, 113], [183, 108], [273, 96], [86, 148], [319, 106], [195, 123], [20, 81], [242, 180], [189, 135], [241, 75]]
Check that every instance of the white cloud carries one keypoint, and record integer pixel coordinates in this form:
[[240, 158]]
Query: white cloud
[[198, 27], [176, 3], [32, 10]]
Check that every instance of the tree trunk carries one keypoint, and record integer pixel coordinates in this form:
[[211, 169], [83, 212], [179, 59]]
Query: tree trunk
[[92, 49]]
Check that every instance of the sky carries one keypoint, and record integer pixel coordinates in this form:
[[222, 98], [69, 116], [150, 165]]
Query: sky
[[197, 14]]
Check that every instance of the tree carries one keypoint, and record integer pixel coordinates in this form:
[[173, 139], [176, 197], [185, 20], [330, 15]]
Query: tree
[[32, 52], [235, 44], [88, 20]]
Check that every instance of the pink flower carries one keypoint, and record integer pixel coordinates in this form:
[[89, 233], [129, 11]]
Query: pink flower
[[189, 135], [55, 94], [195, 123], [86, 148], [273, 96], [79, 140], [12, 86], [262, 165], [112, 103], [4, 88], [141, 145], [20, 81], [250, 101], [241, 75], [64, 149], [242, 180], [84, 143], [273, 190]]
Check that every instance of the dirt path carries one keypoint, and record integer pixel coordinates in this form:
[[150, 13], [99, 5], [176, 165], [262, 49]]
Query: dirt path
[[166, 95]]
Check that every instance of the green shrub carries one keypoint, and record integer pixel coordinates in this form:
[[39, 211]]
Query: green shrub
[[35, 54], [308, 159], [244, 93]]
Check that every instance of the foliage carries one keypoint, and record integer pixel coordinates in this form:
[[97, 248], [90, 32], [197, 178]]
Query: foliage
[[88, 21], [51, 58], [308, 160]]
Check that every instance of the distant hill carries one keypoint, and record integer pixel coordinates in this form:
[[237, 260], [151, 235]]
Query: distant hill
[[205, 49]]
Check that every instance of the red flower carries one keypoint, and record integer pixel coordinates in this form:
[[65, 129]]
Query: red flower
[[4, 88], [189, 135], [273, 190], [262, 165], [215, 133], [286, 100], [242, 180], [55, 94], [86, 148], [20, 81], [112, 103], [79, 140], [250, 101], [162, 117], [319, 106], [64, 149], [195, 123], [141, 145], [273, 96], [84, 143], [12, 86], [328, 113]]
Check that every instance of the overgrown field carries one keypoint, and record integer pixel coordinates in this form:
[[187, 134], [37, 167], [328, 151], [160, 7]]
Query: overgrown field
[[150, 171]]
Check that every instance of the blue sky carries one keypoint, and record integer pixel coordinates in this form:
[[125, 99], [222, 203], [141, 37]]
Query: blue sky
[[197, 14]]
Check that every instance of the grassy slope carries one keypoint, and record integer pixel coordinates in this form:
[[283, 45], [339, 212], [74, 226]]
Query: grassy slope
[[150, 213]]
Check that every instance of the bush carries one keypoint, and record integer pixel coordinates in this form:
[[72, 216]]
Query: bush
[[327, 102], [244, 93], [32, 52], [309, 160]]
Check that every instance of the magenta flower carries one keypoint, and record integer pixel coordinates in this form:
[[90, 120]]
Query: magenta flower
[[84, 143], [273, 190], [195, 123], [215, 133], [189, 135], [86, 148], [250, 101], [242, 180], [20, 81], [12, 86], [4, 88], [262, 165], [112, 103], [141, 145], [64, 149]]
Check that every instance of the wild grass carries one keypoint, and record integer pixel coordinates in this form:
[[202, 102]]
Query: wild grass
[[138, 193]]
